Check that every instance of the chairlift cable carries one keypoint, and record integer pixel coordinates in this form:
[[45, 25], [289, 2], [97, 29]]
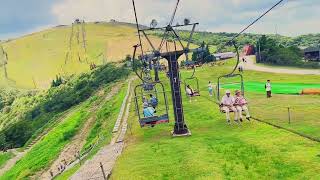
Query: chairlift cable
[[255, 21], [232, 41], [170, 23], [174, 13], [137, 23], [237, 35]]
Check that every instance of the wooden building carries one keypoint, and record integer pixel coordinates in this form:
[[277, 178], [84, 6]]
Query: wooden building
[[312, 53]]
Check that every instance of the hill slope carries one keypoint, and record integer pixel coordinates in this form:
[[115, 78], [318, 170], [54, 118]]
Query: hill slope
[[35, 59]]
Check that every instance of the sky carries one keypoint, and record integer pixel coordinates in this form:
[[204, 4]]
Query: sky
[[291, 18]]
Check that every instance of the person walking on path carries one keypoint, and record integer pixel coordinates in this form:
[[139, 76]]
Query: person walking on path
[[240, 67], [268, 89], [210, 88]]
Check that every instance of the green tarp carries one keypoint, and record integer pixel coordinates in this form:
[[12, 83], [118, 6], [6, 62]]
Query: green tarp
[[277, 88]]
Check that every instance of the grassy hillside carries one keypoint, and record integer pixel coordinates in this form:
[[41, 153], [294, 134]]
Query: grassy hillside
[[35, 59]]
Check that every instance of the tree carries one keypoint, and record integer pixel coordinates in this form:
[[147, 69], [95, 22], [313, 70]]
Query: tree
[[203, 57], [57, 82]]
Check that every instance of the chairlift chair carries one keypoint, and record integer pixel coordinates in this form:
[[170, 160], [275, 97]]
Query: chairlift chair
[[156, 119], [219, 88], [196, 91]]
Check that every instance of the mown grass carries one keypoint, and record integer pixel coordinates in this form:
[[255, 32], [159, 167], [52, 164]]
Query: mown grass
[[106, 117], [48, 149], [218, 151], [4, 157]]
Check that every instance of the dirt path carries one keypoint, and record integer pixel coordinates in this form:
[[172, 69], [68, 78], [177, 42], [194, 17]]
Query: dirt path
[[251, 65], [12, 161], [69, 153], [107, 156]]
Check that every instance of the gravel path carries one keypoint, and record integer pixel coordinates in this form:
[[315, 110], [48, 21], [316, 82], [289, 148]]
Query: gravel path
[[108, 155], [69, 152], [251, 65]]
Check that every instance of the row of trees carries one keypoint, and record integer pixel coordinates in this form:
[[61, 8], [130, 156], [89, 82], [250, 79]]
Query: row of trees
[[218, 39], [271, 52]]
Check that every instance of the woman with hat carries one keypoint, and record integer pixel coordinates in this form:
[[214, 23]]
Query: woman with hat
[[241, 105]]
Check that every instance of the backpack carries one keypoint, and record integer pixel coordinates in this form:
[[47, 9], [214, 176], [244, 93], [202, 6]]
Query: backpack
[[154, 101]]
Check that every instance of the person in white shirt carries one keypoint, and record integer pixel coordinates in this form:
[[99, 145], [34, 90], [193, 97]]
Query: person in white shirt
[[268, 89], [227, 104], [240, 66], [241, 105]]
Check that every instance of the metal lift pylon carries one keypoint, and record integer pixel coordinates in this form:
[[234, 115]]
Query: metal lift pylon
[[180, 127]]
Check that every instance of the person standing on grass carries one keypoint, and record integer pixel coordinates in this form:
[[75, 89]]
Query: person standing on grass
[[227, 104], [240, 67], [241, 104], [210, 88], [268, 89]]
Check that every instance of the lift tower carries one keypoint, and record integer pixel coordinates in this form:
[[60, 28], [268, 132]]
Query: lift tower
[[180, 127]]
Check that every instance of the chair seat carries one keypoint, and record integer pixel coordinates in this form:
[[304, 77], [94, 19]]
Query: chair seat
[[148, 121], [223, 111]]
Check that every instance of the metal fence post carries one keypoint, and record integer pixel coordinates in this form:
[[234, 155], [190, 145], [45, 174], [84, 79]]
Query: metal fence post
[[79, 157], [289, 115], [103, 173]]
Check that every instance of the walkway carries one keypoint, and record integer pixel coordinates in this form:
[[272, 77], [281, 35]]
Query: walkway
[[251, 65]]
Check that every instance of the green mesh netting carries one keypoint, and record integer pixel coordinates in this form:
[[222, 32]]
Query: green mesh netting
[[277, 88]]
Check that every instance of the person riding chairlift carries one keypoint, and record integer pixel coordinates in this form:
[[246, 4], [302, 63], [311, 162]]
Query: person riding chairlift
[[189, 92], [241, 105], [153, 101], [210, 88], [148, 111], [227, 105]]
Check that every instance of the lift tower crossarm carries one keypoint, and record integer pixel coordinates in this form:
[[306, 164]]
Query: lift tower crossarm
[[165, 27]]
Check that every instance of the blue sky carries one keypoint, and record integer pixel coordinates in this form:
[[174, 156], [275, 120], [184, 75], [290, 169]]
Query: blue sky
[[293, 17]]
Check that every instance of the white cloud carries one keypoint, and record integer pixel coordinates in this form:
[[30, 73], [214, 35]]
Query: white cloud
[[215, 15]]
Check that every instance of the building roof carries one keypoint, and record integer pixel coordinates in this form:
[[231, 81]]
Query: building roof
[[312, 49]]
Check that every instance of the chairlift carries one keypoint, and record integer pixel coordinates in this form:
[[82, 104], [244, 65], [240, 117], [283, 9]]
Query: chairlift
[[228, 76], [155, 119], [193, 82]]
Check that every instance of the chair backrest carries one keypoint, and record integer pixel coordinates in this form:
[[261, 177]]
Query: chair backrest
[[229, 76]]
